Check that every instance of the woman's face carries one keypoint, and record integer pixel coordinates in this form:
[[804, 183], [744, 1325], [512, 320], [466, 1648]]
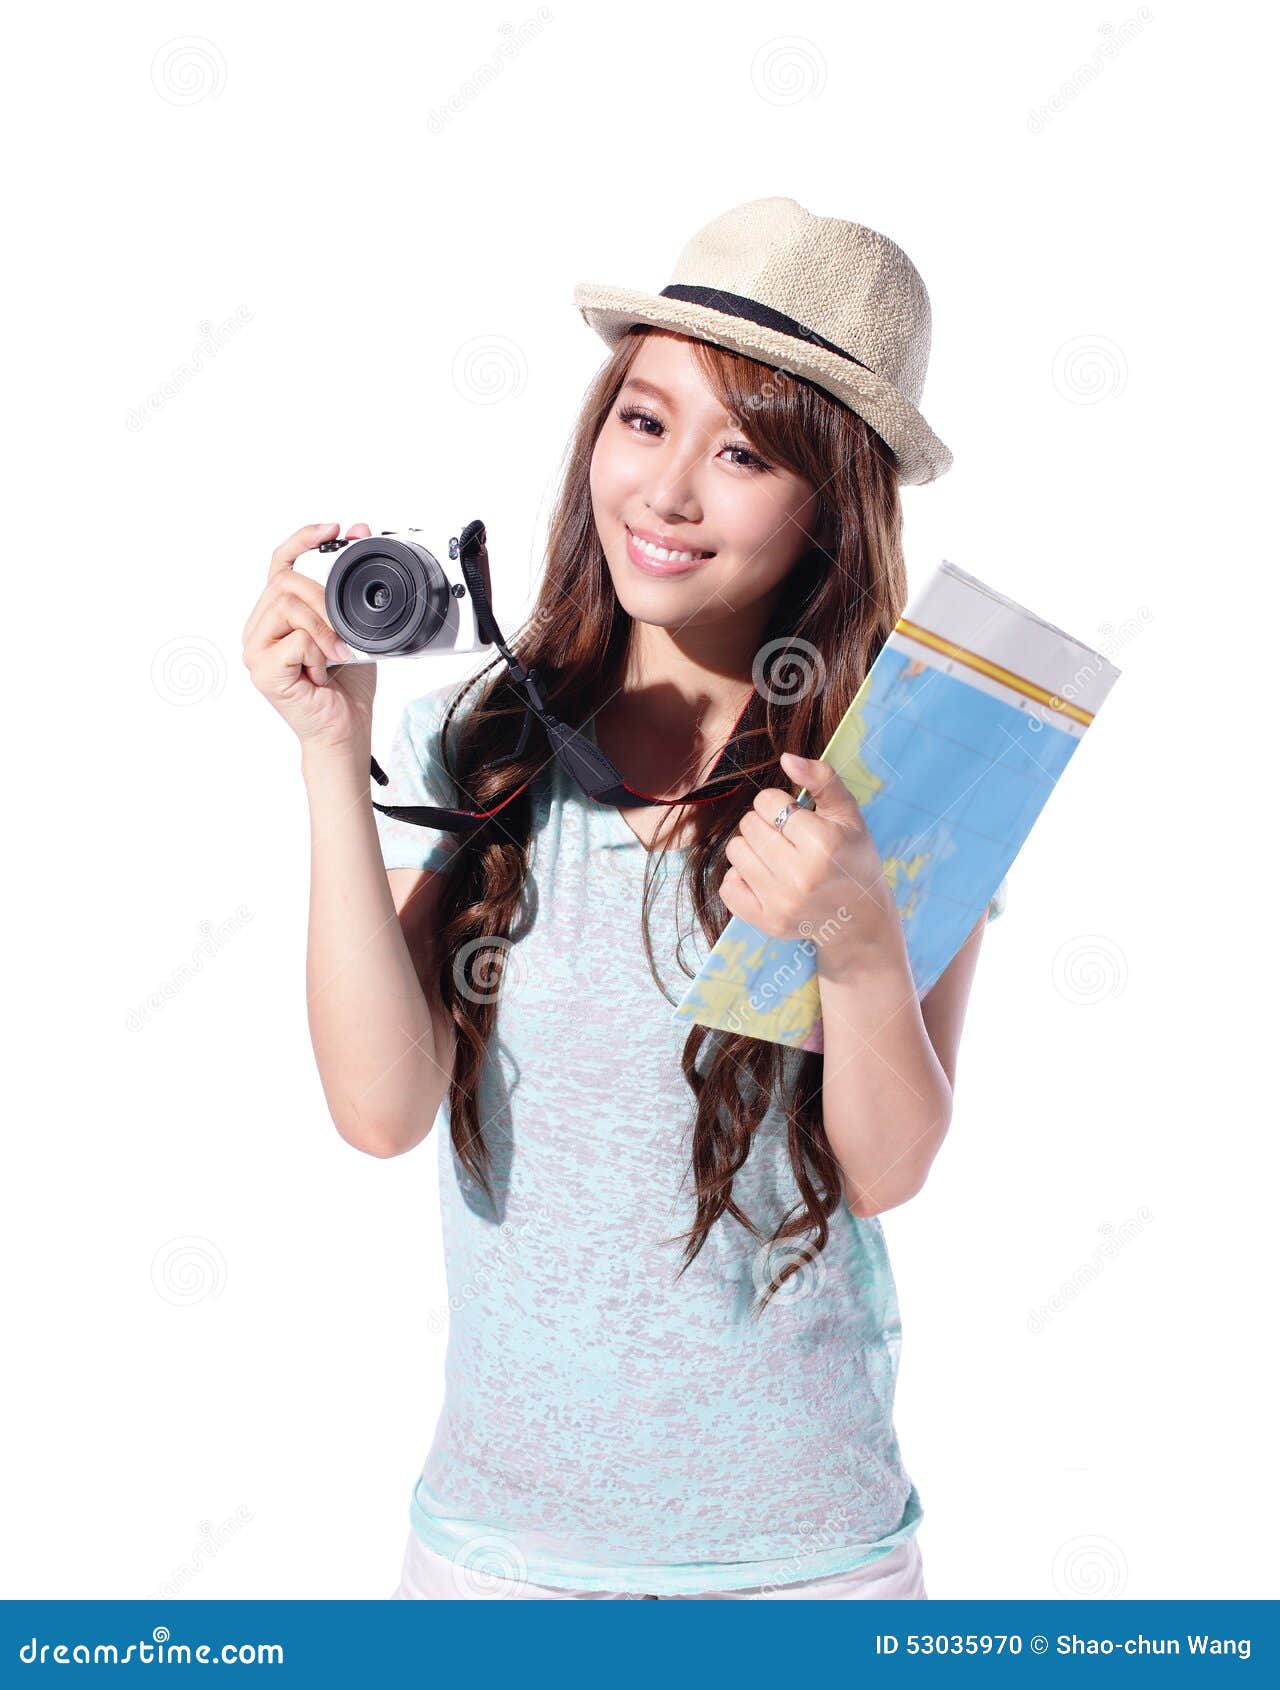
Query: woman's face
[[670, 464]]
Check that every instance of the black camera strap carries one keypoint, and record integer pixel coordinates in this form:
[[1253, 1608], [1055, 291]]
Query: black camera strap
[[598, 778]]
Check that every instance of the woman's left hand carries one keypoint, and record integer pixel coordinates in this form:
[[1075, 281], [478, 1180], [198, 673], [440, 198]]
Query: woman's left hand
[[820, 879]]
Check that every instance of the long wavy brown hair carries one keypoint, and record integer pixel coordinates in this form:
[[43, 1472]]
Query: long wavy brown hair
[[838, 605]]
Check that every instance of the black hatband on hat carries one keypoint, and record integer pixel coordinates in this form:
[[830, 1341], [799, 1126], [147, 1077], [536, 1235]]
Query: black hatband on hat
[[752, 311]]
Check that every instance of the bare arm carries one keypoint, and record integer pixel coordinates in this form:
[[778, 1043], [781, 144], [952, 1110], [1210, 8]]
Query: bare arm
[[944, 1004], [889, 1065], [381, 1037], [383, 1045]]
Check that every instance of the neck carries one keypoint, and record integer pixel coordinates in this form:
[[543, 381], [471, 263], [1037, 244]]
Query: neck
[[694, 681], [676, 703]]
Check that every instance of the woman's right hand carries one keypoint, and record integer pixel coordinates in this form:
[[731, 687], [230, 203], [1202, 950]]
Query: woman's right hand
[[288, 644]]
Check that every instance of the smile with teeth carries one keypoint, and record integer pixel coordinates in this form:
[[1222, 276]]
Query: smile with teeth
[[660, 554]]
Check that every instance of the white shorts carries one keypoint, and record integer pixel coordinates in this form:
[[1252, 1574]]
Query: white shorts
[[897, 1575]]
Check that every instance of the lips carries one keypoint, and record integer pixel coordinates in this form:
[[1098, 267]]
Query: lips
[[662, 566]]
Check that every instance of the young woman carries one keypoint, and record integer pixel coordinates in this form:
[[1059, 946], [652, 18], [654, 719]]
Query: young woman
[[673, 1331]]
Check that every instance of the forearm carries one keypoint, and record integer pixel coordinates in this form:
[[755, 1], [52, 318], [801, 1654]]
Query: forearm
[[886, 1100], [370, 1022]]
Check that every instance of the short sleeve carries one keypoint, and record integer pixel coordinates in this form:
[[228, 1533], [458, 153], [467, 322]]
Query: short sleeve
[[416, 775], [996, 906]]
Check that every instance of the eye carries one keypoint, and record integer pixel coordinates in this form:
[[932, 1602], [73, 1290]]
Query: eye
[[630, 413], [753, 461], [633, 413]]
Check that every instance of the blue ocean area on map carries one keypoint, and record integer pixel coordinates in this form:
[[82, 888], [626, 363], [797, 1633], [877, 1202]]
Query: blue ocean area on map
[[949, 776]]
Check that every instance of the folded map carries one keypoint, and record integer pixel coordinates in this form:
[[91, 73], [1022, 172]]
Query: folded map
[[956, 738]]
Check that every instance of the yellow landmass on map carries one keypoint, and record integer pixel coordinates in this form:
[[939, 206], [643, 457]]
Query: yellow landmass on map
[[844, 753], [778, 1010], [899, 869]]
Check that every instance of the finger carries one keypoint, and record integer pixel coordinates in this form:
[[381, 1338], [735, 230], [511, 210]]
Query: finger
[[305, 589], [803, 826], [283, 664], [284, 614], [775, 851], [359, 531], [831, 796], [304, 586], [305, 540], [739, 899], [280, 616], [755, 871]]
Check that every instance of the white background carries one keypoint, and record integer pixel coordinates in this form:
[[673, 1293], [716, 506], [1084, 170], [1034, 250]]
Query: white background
[[220, 1321]]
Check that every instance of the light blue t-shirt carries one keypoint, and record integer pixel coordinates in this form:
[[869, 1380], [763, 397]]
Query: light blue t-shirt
[[605, 1425]]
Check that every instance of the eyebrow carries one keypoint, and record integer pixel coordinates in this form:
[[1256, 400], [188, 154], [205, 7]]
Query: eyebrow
[[655, 392], [648, 387]]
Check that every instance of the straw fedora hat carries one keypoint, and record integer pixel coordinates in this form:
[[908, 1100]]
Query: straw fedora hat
[[831, 301]]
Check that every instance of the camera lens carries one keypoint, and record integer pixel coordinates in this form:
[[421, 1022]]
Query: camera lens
[[387, 597]]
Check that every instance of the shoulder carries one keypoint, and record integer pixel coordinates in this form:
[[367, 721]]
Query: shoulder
[[424, 716], [433, 705]]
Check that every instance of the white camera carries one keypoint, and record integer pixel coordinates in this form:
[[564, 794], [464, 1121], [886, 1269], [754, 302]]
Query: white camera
[[388, 596]]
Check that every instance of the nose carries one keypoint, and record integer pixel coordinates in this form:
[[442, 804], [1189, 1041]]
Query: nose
[[674, 502], [673, 496]]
